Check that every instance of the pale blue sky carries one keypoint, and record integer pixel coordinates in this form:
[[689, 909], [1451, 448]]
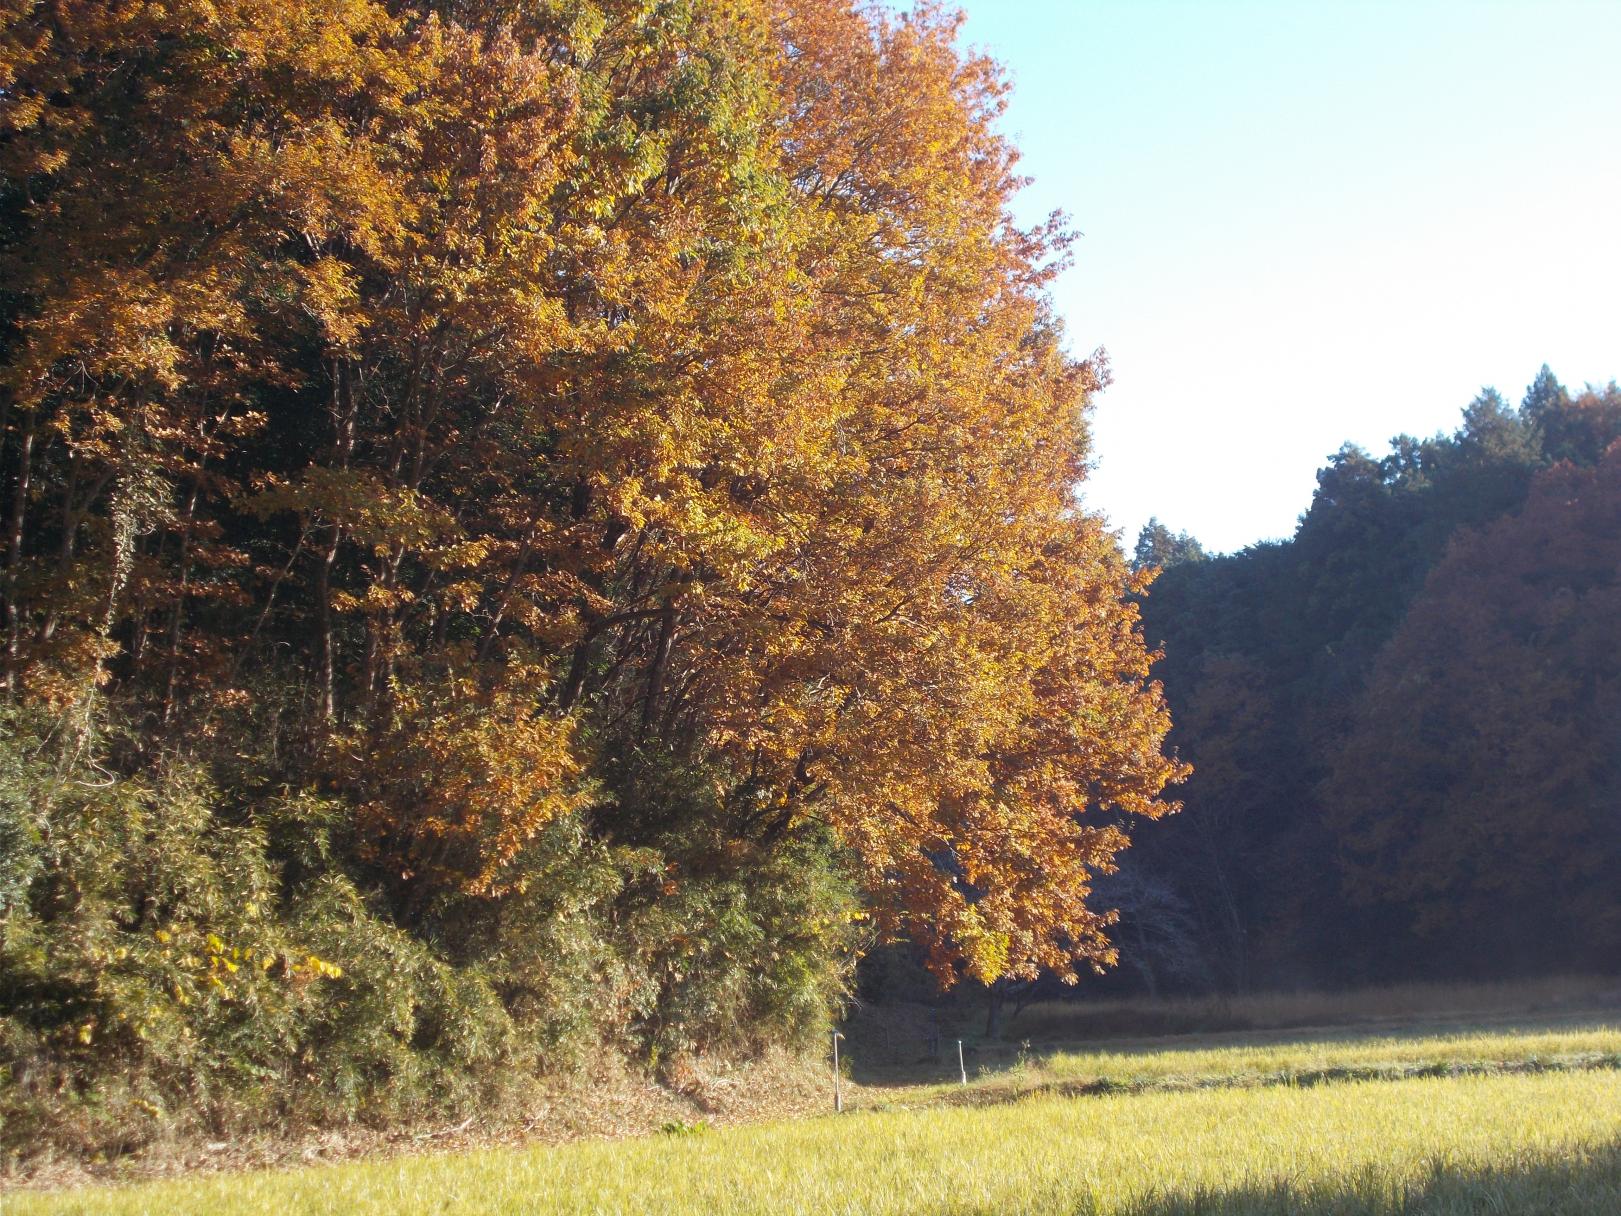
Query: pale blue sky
[[1314, 221]]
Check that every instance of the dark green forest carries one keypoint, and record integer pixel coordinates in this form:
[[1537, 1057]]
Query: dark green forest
[[1404, 721]]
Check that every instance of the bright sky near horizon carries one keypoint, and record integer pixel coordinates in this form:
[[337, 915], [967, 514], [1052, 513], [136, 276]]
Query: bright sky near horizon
[[1307, 223]]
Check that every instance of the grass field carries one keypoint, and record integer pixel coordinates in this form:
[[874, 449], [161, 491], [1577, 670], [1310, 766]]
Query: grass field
[[1439, 1118], [1516, 1144], [1299, 1058]]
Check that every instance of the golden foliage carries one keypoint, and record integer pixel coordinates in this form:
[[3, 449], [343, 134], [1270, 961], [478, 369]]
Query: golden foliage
[[463, 777], [549, 383]]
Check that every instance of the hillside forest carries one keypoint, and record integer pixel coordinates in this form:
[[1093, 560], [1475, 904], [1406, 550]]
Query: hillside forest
[[1404, 721]]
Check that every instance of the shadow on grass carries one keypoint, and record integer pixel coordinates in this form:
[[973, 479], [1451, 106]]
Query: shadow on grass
[[1587, 1183], [1003, 1090], [991, 1061], [1323, 1036]]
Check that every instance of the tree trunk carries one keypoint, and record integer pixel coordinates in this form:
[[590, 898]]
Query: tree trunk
[[14, 555], [323, 597], [655, 673]]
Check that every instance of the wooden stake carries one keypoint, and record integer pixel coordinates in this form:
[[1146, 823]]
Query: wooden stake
[[838, 1097], [961, 1067]]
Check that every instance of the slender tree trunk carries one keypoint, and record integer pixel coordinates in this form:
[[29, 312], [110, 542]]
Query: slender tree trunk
[[243, 650], [323, 599], [72, 515], [178, 616], [126, 528], [655, 673], [574, 682], [14, 555], [504, 600], [344, 420]]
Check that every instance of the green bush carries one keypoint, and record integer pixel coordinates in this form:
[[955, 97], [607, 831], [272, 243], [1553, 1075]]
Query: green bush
[[185, 950]]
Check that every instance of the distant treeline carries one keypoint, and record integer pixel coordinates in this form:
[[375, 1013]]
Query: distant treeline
[[1405, 721]]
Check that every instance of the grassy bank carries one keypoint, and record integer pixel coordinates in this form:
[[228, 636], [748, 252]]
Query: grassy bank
[[1298, 1058], [1522, 1144]]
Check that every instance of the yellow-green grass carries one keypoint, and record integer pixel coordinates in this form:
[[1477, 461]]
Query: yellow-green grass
[[1300, 1058], [1547, 1143]]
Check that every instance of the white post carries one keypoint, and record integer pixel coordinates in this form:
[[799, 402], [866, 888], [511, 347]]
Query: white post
[[961, 1067], [838, 1097]]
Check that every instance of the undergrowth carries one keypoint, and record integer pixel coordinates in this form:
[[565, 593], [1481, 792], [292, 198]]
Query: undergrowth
[[186, 952]]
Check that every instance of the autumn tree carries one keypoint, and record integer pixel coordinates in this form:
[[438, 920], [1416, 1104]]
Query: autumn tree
[[522, 415]]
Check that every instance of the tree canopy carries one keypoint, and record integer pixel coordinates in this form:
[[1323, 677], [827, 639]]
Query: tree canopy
[[1400, 718], [517, 411]]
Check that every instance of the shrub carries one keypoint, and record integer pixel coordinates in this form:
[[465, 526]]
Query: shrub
[[184, 952]]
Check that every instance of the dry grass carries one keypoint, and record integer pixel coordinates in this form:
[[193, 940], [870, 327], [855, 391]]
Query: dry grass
[[605, 1101], [1440, 1147], [1269, 1058], [1444, 1099]]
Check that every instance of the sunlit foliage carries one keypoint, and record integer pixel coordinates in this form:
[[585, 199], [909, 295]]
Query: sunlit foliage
[[631, 434], [545, 381]]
